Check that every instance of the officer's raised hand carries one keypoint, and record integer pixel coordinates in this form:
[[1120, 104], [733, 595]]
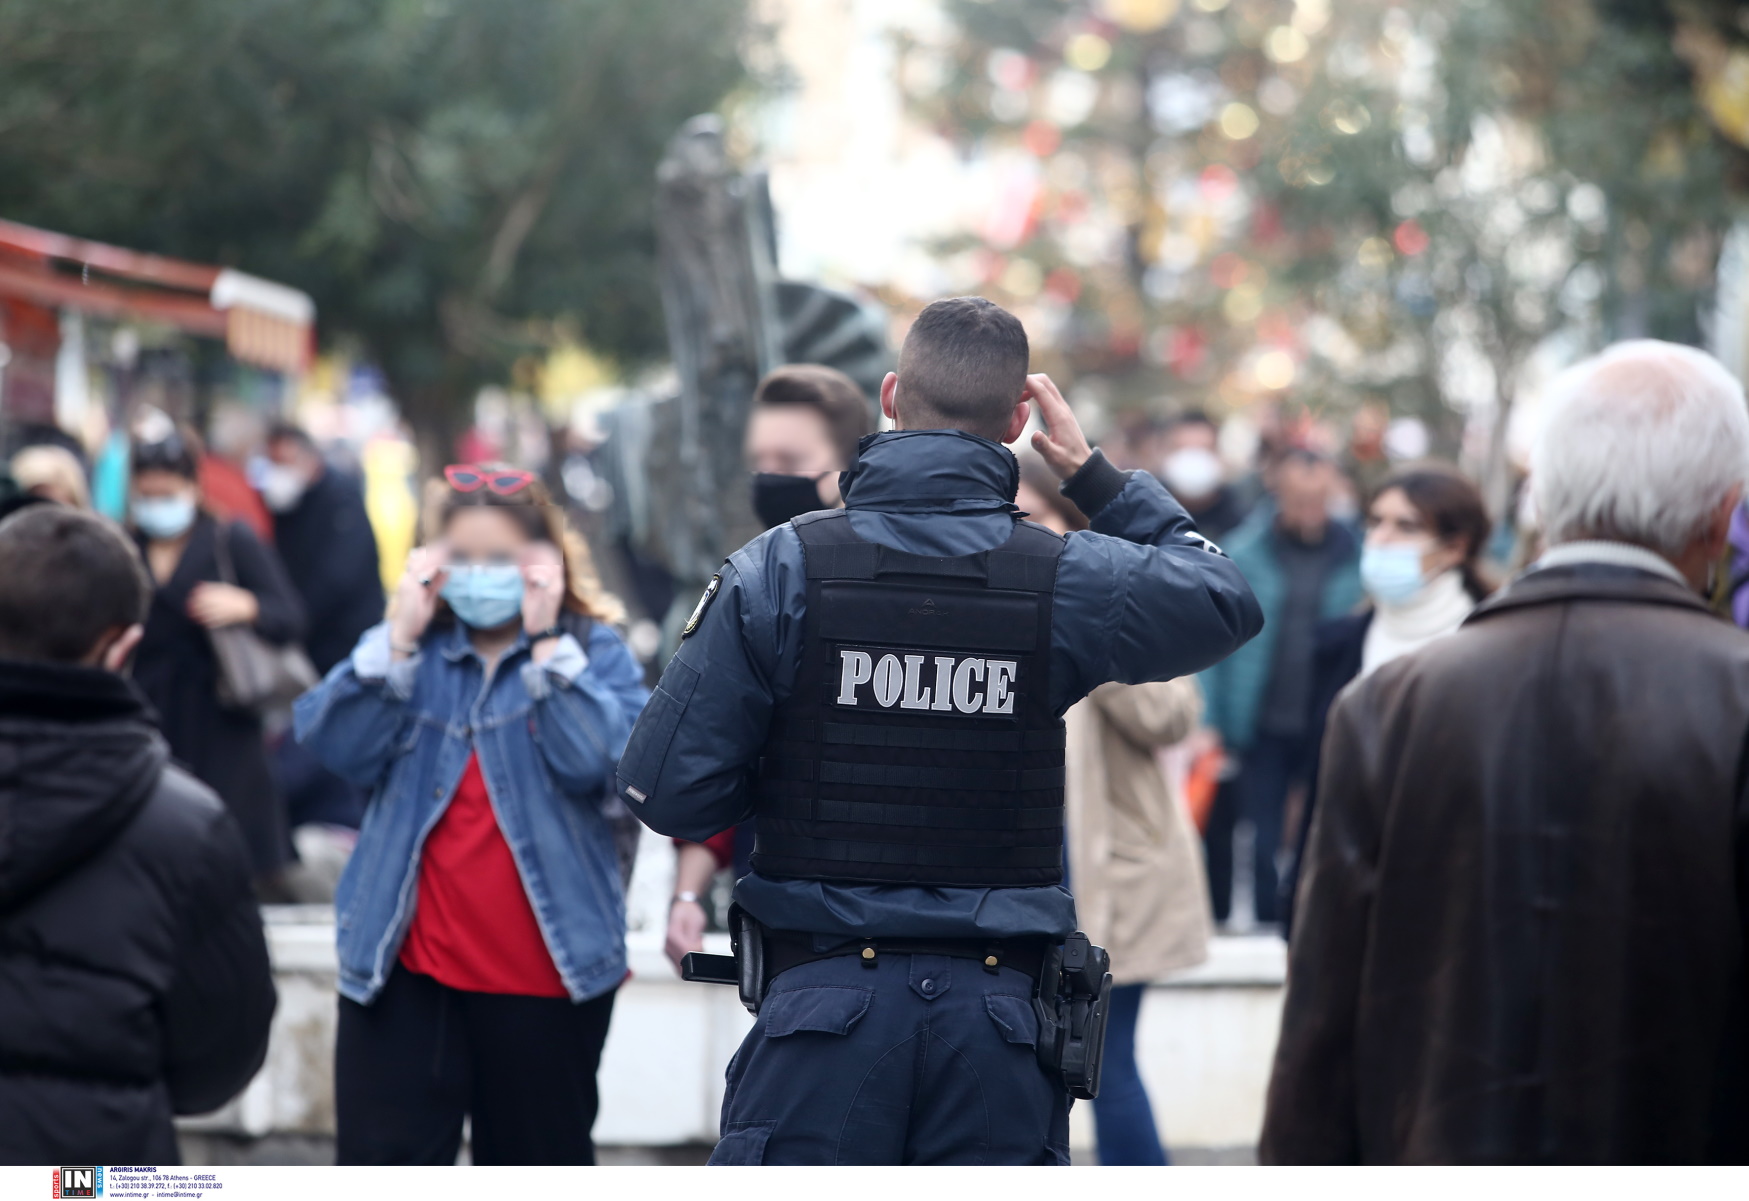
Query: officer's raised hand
[[1061, 442]]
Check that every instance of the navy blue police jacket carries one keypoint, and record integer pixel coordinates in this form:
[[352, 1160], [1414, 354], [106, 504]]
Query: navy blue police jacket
[[1140, 597]]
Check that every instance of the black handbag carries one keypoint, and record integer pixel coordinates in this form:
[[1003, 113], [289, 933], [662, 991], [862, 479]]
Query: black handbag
[[254, 674]]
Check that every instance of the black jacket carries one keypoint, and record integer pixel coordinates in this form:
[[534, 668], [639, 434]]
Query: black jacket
[[1338, 651], [179, 674], [134, 980], [1522, 926], [330, 553]]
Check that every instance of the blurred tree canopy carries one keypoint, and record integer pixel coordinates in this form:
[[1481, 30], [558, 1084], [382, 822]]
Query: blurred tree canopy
[[1335, 202], [456, 182]]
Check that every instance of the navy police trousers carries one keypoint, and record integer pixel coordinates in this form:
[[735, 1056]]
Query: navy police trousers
[[921, 1059]]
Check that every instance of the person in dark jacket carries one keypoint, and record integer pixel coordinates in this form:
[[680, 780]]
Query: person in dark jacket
[[134, 979], [324, 538], [896, 1055], [1521, 932], [1426, 531], [177, 668], [1305, 569]]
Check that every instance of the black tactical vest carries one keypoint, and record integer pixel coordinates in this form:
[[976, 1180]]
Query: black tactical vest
[[918, 745]]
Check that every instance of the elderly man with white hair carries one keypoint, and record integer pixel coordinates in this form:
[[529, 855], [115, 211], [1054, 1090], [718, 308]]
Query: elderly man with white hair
[[1522, 917]]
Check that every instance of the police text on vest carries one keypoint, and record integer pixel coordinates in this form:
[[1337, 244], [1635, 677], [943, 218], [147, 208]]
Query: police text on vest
[[969, 685]]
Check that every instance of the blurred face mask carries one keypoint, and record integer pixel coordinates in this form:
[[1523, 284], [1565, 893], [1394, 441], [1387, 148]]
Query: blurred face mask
[[484, 595], [162, 517], [1392, 572], [282, 487], [1192, 471], [778, 498]]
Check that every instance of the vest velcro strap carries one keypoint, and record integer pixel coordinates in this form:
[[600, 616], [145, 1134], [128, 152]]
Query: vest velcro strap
[[885, 775], [1021, 572], [899, 562], [919, 739], [930, 817], [913, 738], [789, 846], [842, 560]]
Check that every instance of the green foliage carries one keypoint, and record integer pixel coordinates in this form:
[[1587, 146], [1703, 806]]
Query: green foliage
[[451, 179]]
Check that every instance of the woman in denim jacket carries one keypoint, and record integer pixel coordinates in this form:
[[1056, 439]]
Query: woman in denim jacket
[[482, 917]]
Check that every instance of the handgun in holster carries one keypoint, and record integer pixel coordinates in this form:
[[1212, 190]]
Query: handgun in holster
[[1073, 1002], [745, 968]]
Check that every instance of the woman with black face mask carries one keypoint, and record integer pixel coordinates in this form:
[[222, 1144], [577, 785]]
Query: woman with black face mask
[[802, 431]]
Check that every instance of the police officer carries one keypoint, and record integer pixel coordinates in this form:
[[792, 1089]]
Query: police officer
[[882, 686]]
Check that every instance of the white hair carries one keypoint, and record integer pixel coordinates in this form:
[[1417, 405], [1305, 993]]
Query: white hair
[[1644, 444]]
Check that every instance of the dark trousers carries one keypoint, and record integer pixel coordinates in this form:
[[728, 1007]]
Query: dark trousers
[[1268, 769], [1122, 1116], [411, 1065], [921, 1059]]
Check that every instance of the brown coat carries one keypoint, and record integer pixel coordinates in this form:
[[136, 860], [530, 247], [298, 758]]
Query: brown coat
[[1134, 864], [1521, 931]]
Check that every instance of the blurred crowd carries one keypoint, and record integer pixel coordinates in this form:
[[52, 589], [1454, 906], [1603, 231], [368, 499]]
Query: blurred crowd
[[252, 580]]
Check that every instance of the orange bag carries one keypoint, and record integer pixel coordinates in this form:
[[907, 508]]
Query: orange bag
[[1201, 783]]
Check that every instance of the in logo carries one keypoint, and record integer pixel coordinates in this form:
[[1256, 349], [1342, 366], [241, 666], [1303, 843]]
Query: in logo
[[79, 1182]]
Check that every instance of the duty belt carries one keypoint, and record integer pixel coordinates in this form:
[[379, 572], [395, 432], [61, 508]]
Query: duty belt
[[1071, 982]]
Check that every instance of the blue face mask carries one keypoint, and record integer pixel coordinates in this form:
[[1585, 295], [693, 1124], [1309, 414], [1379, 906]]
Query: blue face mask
[[162, 517], [484, 595], [1392, 572]]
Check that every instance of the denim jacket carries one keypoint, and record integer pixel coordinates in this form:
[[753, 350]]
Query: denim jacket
[[548, 737]]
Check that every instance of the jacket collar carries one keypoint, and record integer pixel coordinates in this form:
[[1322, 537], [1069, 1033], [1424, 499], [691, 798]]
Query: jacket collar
[[1584, 582], [931, 471], [457, 645], [58, 692]]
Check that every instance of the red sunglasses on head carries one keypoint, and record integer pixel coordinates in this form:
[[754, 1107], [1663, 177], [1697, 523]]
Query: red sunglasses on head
[[504, 481]]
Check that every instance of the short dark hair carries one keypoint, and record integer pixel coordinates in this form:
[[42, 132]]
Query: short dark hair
[[963, 366], [1192, 417], [285, 431], [178, 451], [66, 578], [829, 392]]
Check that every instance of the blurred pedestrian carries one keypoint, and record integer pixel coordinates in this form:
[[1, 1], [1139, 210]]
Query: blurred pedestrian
[[1304, 569], [1197, 478], [208, 574], [1521, 930], [324, 537], [134, 979], [485, 717], [1426, 531], [802, 432], [52, 473], [1133, 864]]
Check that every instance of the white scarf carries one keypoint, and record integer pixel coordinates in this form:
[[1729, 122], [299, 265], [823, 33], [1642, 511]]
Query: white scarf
[[1435, 611]]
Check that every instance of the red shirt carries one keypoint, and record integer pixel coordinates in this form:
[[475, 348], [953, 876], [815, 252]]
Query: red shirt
[[473, 927]]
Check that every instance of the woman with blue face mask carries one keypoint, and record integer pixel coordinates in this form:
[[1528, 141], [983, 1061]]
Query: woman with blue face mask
[[187, 551], [482, 916], [1422, 569]]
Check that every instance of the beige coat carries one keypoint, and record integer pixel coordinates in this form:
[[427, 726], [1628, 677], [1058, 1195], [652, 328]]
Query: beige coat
[[1134, 863]]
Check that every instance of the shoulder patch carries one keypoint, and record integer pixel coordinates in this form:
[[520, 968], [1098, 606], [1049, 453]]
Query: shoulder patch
[[704, 602]]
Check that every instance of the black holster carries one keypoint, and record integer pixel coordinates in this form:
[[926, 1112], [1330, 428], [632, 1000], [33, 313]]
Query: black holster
[[745, 968], [1073, 1001]]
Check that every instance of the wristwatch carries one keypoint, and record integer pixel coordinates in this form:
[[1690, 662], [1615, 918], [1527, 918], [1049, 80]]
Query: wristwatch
[[549, 632], [690, 897]]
